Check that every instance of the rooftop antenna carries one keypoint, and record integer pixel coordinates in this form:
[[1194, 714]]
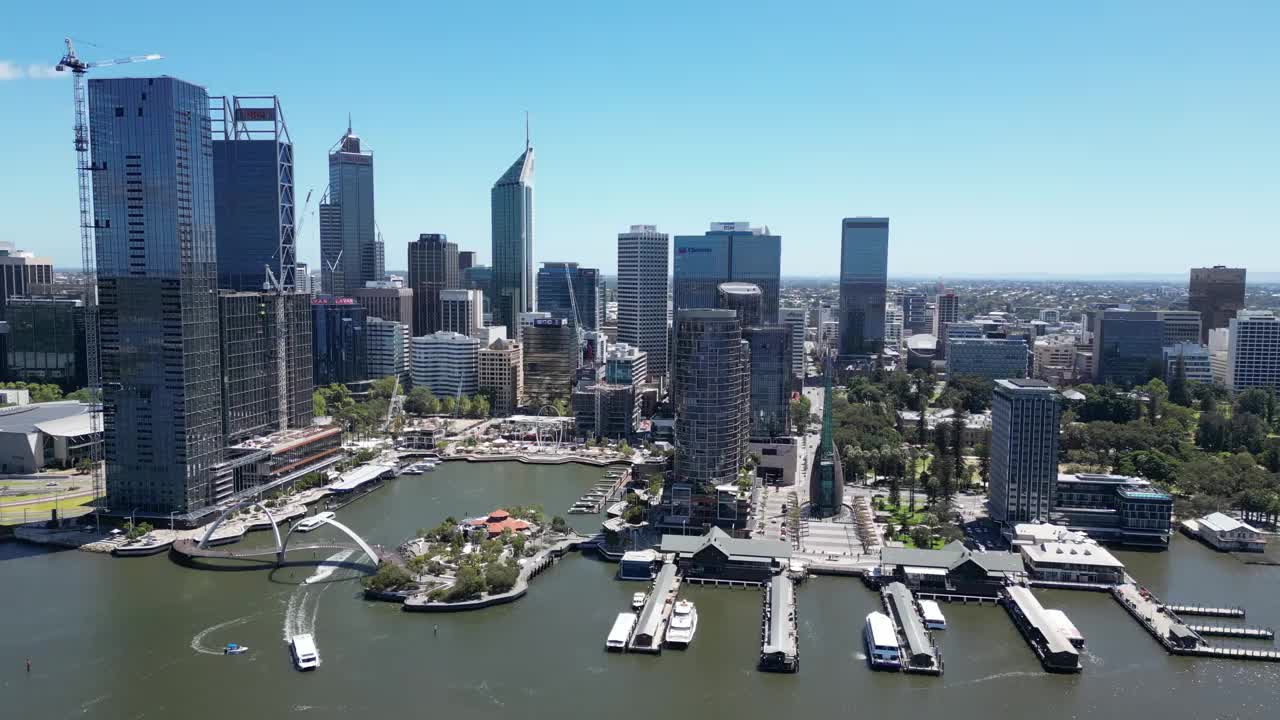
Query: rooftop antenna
[[348, 122], [526, 131]]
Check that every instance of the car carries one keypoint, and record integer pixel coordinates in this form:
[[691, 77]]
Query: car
[[51, 484]]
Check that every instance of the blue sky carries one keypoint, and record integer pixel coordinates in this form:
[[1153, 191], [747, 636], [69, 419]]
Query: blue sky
[[999, 137]]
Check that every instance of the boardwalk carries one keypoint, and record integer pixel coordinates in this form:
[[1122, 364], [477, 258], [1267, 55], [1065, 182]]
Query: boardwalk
[[1226, 612], [1239, 631]]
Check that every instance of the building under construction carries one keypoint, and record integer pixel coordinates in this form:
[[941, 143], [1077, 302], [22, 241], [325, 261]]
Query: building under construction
[[255, 399]]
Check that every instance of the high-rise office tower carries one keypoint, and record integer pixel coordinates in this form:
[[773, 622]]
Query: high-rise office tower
[[795, 319], [864, 267], [46, 341], [153, 202], [915, 312], [643, 284], [554, 281], [22, 273], [302, 279], [253, 193], [744, 299], [946, 310], [382, 299], [511, 211], [1217, 293], [349, 247], [500, 370], [433, 267], [466, 259], [1253, 351], [551, 357], [339, 340], [462, 311], [712, 389], [728, 252], [253, 393], [1024, 450]]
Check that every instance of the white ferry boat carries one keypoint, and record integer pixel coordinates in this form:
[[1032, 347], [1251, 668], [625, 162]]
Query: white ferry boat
[[305, 655], [621, 632], [637, 601], [313, 522], [882, 642], [683, 624], [1065, 626], [932, 614]]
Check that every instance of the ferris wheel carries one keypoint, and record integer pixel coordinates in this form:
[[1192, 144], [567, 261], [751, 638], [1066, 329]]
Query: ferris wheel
[[545, 431]]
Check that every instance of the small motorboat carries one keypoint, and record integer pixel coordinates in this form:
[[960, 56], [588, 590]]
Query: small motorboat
[[637, 601], [234, 649]]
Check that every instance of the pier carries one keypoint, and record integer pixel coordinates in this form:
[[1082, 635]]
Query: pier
[[779, 641], [922, 655], [1049, 643], [1174, 635], [605, 492], [651, 628], [1239, 631], [1223, 612]]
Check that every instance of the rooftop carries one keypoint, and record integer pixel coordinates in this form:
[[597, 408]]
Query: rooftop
[[64, 418], [1224, 523], [951, 556], [736, 548], [1071, 551]]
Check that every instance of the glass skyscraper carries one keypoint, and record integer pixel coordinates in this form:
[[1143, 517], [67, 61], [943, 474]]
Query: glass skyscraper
[[728, 252], [153, 199], [433, 268], [338, 340], [511, 214], [554, 279], [350, 254], [253, 198], [643, 282], [864, 268]]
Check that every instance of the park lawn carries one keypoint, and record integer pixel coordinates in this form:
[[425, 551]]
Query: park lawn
[[937, 543], [47, 506]]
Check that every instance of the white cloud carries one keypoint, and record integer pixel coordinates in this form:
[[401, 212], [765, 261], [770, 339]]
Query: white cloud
[[10, 70], [44, 72]]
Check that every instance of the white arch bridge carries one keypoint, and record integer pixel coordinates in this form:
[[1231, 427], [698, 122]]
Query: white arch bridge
[[282, 545]]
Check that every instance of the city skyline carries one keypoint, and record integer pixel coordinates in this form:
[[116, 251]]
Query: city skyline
[[1097, 148]]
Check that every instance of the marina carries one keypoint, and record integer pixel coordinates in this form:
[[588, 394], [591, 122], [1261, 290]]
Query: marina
[[779, 640], [607, 491]]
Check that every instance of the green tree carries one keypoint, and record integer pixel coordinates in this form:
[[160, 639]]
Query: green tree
[[465, 406], [922, 536], [382, 387], [319, 407], [388, 577], [559, 525], [1178, 392], [481, 406], [501, 577], [800, 411], [421, 402], [447, 405], [40, 392], [468, 583], [84, 395]]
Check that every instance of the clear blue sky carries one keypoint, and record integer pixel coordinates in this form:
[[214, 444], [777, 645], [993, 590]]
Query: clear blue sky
[[1005, 137]]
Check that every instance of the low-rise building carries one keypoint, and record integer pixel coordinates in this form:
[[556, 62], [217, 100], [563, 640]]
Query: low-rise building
[[500, 368], [1113, 508], [1225, 533], [1059, 555], [718, 555], [50, 434], [991, 358], [1195, 359], [953, 570], [976, 425]]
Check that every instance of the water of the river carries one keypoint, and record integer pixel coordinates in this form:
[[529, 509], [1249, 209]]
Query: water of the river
[[141, 638]]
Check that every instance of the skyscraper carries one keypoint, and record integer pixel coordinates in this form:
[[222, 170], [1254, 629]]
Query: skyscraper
[[446, 363], [385, 300], [744, 299], [795, 319], [511, 210], [153, 201], [554, 280], [500, 371], [388, 348], [1128, 345], [728, 252], [864, 267], [946, 310], [1253, 351], [349, 247], [340, 345], [462, 311], [253, 393], [643, 285], [253, 193], [769, 361], [1024, 450], [433, 267], [712, 389], [1217, 293], [915, 312], [551, 359], [22, 273], [466, 259], [46, 341]]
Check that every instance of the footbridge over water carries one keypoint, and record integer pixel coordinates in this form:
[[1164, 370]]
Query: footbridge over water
[[282, 545]]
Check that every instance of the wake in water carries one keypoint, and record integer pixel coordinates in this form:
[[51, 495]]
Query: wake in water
[[328, 567], [304, 604], [997, 676], [197, 642]]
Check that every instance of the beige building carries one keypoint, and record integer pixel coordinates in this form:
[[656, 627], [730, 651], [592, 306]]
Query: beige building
[[1053, 360], [501, 372]]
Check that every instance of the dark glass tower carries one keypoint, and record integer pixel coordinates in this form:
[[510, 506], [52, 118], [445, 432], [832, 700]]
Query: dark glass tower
[[511, 208], [339, 345], [1217, 293], [253, 184], [554, 279], [728, 252], [153, 199], [433, 267], [350, 253], [864, 264]]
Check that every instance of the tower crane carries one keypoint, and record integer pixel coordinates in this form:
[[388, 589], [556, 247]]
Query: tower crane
[[72, 63]]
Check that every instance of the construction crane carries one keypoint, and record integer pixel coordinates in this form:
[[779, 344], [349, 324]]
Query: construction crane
[[72, 63], [275, 285]]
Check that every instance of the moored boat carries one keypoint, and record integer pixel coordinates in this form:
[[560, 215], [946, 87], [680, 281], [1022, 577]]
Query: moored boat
[[883, 651], [683, 624], [313, 522]]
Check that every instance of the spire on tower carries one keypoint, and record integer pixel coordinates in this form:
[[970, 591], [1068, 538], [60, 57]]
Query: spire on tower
[[526, 131]]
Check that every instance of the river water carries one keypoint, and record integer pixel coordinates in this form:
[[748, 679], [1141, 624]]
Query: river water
[[142, 638]]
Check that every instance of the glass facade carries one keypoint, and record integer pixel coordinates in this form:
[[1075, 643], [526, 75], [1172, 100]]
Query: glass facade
[[729, 252], [46, 341], [990, 358], [153, 197], [1128, 346], [247, 209], [643, 284], [511, 216], [251, 389], [339, 344], [864, 267], [550, 360], [1217, 293], [433, 268], [349, 249], [1024, 450], [554, 279], [770, 380]]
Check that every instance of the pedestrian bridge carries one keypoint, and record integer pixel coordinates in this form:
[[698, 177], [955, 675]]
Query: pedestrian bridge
[[282, 545]]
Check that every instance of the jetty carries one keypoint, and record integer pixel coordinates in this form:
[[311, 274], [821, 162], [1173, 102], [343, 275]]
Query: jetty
[[922, 655], [1239, 631], [1041, 632], [605, 492], [651, 627], [1222, 612], [1175, 636], [779, 641]]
